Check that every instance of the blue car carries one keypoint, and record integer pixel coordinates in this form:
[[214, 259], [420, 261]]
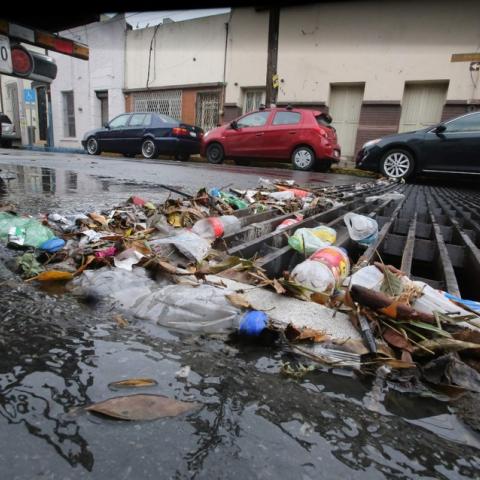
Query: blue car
[[150, 134], [449, 147]]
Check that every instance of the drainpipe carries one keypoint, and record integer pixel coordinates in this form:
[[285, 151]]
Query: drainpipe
[[1, 95], [224, 92], [272, 55]]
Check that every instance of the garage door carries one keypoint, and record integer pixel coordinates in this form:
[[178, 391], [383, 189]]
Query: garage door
[[422, 105], [345, 105]]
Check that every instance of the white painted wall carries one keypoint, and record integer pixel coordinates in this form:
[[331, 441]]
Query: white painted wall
[[187, 52], [247, 52], [105, 70], [383, 44]]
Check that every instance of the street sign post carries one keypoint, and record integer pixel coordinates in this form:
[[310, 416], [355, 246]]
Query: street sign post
[[29, 97]]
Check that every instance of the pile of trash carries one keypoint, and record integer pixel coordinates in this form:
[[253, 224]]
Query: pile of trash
[[166, 263]]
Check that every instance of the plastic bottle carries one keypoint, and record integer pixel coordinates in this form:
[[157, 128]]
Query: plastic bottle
[[215, 227], [324, 270], [361, 228], [253, 323]]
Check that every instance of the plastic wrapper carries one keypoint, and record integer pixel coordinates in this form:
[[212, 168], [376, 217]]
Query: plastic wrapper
[[26, 231], [309, 240]]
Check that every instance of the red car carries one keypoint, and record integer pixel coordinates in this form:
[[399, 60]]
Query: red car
[[303, 136]]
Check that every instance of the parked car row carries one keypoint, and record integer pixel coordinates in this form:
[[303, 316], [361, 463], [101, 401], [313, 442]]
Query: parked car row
[[7, 131], [304, 137]]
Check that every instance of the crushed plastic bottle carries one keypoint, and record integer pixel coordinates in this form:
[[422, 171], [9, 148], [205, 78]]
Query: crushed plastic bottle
[[289, 222], [216, 227], [253, 323], [324, 270], [362, 229]]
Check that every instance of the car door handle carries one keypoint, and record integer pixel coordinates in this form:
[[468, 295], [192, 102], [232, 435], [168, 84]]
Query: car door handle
[[259, 134], [292, 133]]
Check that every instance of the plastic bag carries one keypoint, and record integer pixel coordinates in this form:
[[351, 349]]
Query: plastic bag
[[309, 240], [386, 196], [188, 243], [28, 231], [362, 229]]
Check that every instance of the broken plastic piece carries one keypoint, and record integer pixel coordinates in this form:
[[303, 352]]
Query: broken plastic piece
[[53, 245]]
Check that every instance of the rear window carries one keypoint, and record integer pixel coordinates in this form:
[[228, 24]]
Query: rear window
[[4, 118], [324, 120], [286, 118], [166, 119]]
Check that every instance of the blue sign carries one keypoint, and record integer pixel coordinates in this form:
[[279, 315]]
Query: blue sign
[[29, 95]]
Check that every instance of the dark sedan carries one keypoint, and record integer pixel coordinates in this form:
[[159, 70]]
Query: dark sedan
[[449, 147], [150, 134]]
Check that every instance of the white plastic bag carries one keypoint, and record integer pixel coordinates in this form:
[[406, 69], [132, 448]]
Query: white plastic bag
[[362, 229], [188, 243]]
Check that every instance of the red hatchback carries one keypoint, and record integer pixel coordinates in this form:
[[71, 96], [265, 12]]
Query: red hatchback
[[303, 136]]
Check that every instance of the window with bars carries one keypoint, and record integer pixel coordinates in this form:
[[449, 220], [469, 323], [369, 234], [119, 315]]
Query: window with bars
[[252, 99], [68, 114], [207, 111], [166, 102]]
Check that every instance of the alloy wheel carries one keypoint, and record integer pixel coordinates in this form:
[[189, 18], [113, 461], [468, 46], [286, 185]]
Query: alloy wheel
[[148, 148], [92, 146], [396, 165]]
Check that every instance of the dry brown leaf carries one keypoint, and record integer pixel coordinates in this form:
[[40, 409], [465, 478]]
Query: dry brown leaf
[[133, 383], [87, 262], [278, 287], [168, 267], [121, 322], [53, 276], [397, 340], [321, 298], [238, 300], [302, 334], [142, 407], [98, 218]]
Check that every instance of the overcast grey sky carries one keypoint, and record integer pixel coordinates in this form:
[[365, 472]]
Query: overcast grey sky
[[142, 19]]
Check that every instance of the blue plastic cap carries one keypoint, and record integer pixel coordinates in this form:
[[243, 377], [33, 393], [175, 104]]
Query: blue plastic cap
[[53, 245], [253, 323], [215, 192]]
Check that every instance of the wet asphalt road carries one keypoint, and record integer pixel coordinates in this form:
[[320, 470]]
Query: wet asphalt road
[[58, 355]]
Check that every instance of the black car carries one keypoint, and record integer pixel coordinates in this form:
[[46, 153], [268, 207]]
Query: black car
[[449, 147], [150, 134]]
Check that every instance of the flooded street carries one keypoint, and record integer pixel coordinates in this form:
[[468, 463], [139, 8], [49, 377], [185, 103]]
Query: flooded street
[[58, 355]]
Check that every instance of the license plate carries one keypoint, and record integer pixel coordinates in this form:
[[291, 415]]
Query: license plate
[[193, 134], [5, 55]]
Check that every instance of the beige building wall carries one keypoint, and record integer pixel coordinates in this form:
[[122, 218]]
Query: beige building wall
[[183, 53], [383, 44], [247, 52]]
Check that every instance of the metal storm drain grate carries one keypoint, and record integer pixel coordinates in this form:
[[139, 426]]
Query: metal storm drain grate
[[433, 234]]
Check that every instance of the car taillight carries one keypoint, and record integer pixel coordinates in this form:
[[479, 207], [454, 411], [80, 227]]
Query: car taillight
[[180, 132], [323, 133]]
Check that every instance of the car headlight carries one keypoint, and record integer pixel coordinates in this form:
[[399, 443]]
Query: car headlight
[[371, 142], [206, 133]]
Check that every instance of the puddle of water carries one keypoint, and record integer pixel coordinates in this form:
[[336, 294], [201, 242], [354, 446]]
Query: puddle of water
[[58, 356]]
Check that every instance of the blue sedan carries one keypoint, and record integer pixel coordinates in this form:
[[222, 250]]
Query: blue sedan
[[150, 134]]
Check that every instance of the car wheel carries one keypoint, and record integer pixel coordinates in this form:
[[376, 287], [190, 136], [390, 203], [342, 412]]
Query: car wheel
[[323, 165], [149, 149], [303, 158], [215, 153], [397, 164], [92, 146], [183, 157]]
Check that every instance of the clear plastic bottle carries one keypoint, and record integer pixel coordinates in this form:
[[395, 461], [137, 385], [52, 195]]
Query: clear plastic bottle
[[215, 227]]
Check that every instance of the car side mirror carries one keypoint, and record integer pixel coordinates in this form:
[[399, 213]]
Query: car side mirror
[[106, 125], [440, 128], [234, 124]]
